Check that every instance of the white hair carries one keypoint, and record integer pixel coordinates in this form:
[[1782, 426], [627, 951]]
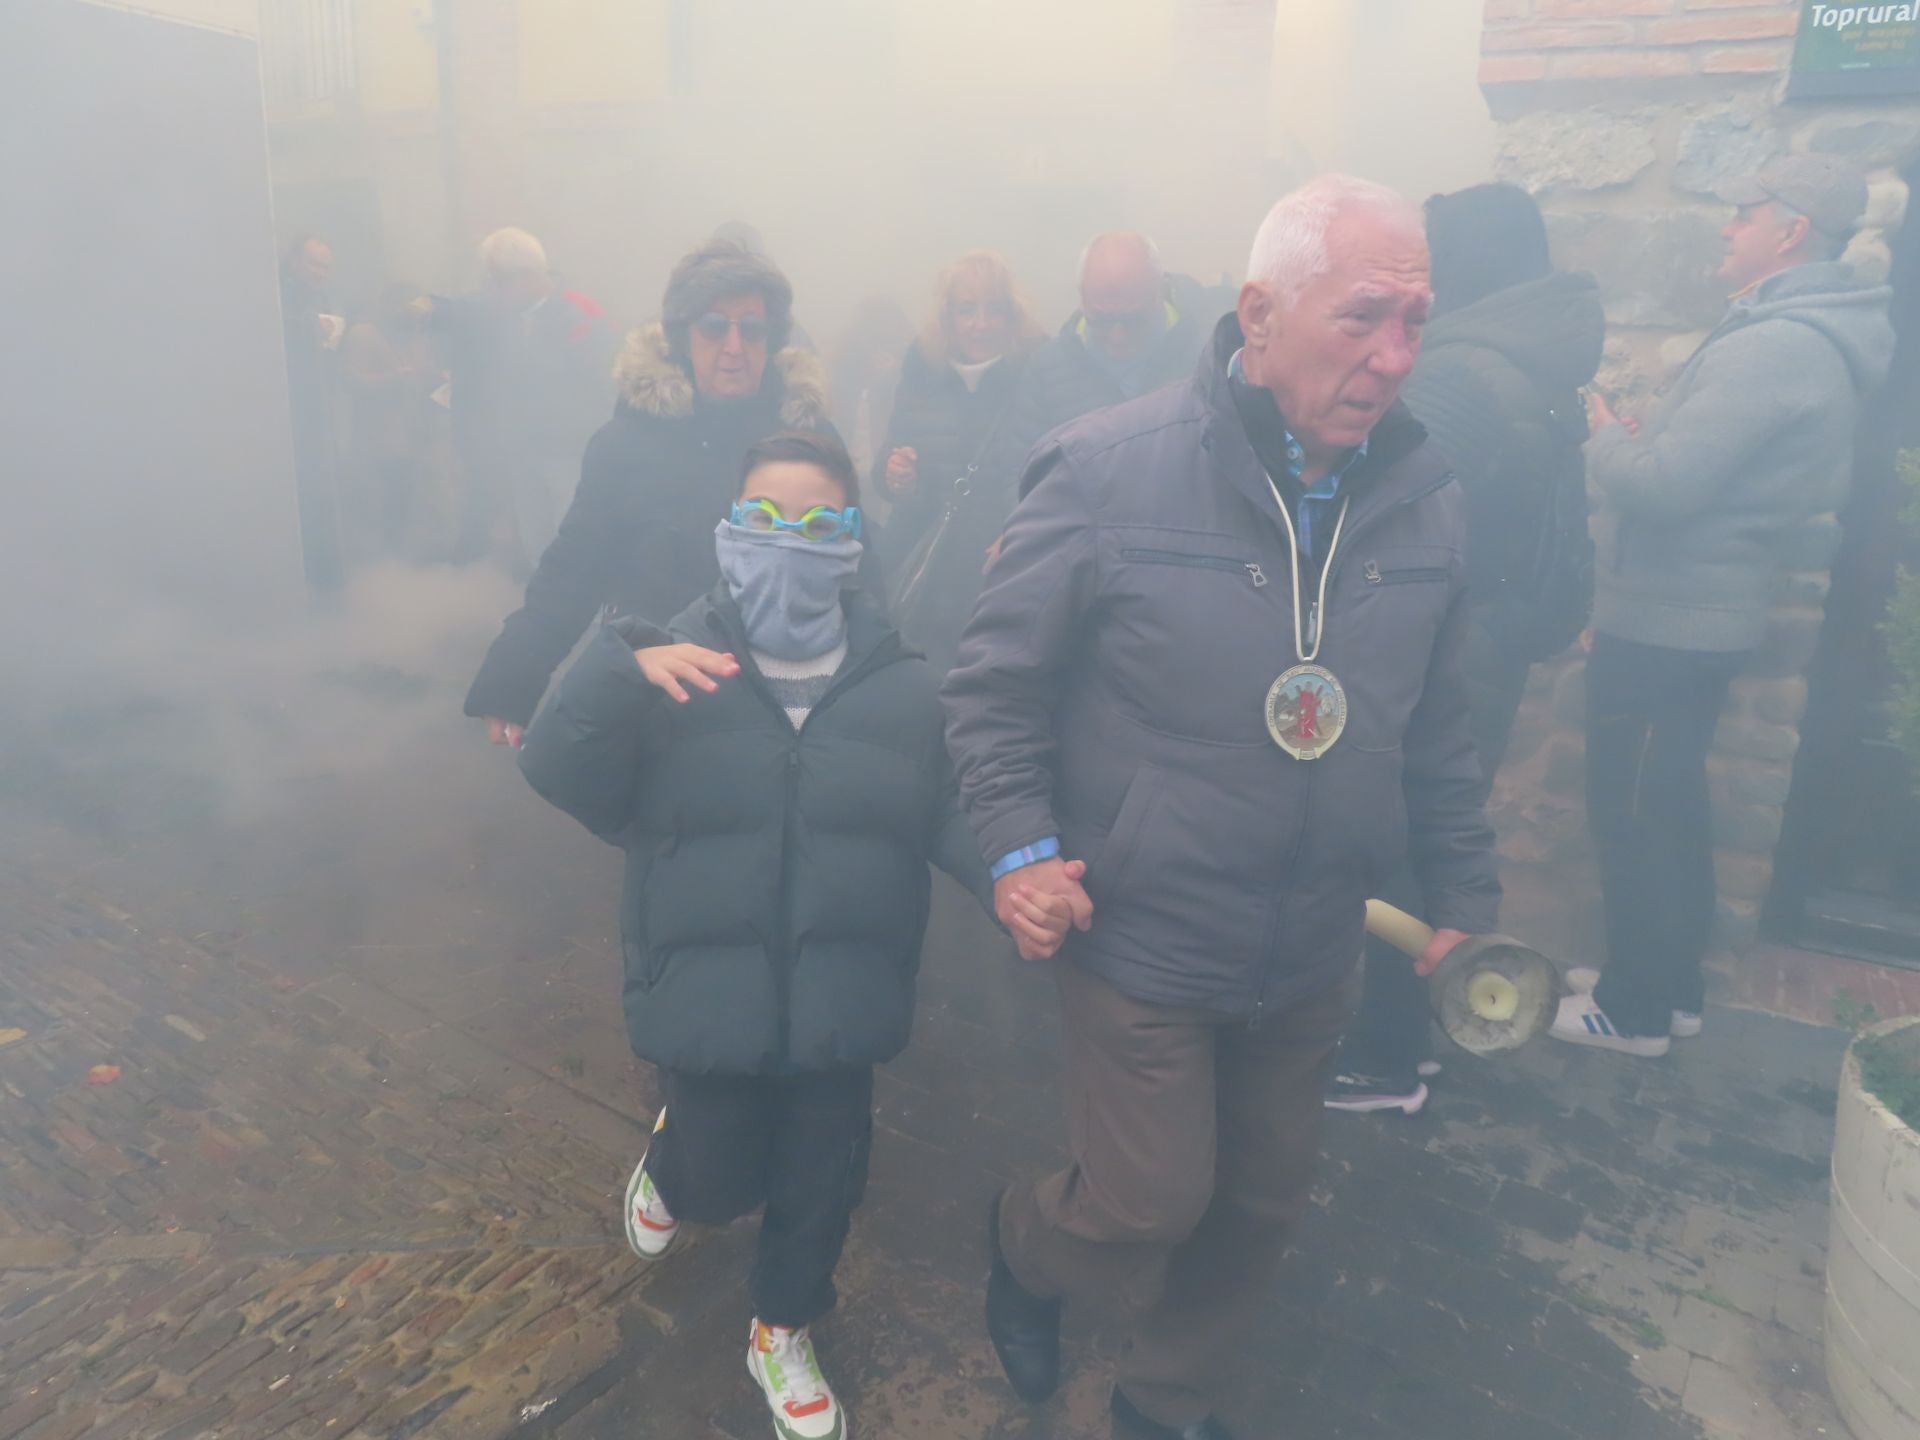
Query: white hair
[[1132, 237], [1290, 249], [512, 252]]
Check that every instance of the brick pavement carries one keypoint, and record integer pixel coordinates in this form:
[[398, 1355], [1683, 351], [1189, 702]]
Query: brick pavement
[[375, 1108], [299, 1209], [1568, 1246]]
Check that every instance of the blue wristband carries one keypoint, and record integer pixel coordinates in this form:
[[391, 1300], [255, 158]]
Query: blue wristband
[[1047, 849]]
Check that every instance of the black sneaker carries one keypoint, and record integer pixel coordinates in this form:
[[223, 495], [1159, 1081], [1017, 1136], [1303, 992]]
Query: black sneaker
[[1364, 1094]]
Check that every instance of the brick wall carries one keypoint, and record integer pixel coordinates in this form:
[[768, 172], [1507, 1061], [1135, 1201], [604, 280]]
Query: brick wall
[[1623, 117], [1535, 41]]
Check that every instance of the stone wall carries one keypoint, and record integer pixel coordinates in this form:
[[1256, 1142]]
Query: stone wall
[[1623, 116]]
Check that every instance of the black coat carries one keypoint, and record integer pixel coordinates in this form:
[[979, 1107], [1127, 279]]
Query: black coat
[[1112, 690], [949, 427], [638, 538], [1498, 388], [777, 883], [952, 429]]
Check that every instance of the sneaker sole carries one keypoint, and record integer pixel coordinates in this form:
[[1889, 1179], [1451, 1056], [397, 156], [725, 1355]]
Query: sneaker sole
[[1685, 1027], [1411, 1104], [842, 1428], [1646, 1047]]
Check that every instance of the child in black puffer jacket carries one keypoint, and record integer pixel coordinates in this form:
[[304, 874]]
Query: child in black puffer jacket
[[773, 763]]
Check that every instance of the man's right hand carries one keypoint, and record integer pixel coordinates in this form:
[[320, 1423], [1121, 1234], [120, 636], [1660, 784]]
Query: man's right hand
[[500, 732], [903, 469], [1043, 880]]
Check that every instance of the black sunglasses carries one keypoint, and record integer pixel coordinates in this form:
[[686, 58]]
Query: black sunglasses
[[715, 327]]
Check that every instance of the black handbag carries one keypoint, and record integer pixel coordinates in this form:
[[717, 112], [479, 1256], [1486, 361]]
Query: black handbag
[[909, 588]]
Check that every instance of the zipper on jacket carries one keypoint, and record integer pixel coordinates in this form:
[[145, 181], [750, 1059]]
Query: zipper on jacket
[[1224, 563], [787, 958], [1413, 575], [783, 971], [1374, 519]]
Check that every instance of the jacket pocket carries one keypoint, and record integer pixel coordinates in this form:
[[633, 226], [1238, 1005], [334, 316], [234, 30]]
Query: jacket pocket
[[1226, 564], [1123, 840], [1404, 575]]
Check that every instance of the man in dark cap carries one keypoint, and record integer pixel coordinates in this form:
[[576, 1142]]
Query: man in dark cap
[[1750, 440]]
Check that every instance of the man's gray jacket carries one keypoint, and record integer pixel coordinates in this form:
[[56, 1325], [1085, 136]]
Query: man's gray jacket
[[1753, 437], [1111, 691]]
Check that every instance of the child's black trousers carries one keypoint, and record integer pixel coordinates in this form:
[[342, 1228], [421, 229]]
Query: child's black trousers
[[796, 1144]]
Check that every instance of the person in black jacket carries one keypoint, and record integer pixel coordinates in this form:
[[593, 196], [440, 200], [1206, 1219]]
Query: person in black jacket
[[958, 383], [1138, 328], [772, 762], [714, 376], [1510, 346]]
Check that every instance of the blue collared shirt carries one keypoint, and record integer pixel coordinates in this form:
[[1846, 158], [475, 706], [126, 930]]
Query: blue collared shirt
[[1317, 502]]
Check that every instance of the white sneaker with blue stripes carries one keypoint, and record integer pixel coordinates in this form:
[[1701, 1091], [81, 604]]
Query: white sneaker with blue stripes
[[1685, 1023], [1581, 1022]]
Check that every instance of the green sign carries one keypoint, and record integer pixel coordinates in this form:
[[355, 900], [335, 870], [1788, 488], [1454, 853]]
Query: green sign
[[1853, 49]]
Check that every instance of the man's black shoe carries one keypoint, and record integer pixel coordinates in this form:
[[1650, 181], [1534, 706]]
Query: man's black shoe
[[1135, 1426], [1025, 1329]]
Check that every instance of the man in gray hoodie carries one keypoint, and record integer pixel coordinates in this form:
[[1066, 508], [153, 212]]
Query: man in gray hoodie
[[1751, 439]]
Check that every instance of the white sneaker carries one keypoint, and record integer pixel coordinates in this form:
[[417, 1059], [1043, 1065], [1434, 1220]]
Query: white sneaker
[[1685, 1024], [1581, 1022], [797, 1393], [651, 1229]]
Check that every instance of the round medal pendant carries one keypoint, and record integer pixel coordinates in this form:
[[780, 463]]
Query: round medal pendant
[[1306, 711]]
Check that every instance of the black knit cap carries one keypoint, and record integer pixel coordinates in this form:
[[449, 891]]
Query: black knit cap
[[1483, 239]]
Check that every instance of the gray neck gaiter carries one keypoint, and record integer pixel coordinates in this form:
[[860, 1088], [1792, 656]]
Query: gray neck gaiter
[[788, 589]]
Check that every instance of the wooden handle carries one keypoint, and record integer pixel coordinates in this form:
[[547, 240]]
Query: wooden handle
[[1402, 931]]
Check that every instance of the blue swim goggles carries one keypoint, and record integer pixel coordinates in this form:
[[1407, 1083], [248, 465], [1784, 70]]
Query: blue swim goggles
[[820, 524]]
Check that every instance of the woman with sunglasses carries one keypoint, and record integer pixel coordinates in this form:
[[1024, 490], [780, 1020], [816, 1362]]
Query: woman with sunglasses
[[715, 375], [773, 762]]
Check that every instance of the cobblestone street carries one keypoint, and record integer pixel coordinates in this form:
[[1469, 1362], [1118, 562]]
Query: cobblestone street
[[355, 1167]]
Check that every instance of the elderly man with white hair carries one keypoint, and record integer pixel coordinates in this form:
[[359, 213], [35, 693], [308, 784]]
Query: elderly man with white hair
[[1213, 694], [532, 366]]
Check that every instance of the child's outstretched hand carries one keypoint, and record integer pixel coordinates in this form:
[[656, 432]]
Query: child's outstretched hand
[[667, 666], [1039, 922]]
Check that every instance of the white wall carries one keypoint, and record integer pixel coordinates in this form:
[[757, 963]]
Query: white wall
[[1387, 89]]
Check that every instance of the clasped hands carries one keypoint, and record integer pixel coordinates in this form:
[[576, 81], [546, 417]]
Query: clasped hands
[[1038, 904]]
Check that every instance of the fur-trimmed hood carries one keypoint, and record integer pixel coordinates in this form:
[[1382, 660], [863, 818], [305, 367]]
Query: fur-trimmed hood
[[654, 384]]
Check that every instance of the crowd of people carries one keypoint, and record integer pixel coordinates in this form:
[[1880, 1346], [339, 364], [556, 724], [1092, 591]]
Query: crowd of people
[[1173, 636], [440, 429]]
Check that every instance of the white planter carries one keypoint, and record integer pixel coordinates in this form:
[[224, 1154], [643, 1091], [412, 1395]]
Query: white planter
[[1873, 1263]]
